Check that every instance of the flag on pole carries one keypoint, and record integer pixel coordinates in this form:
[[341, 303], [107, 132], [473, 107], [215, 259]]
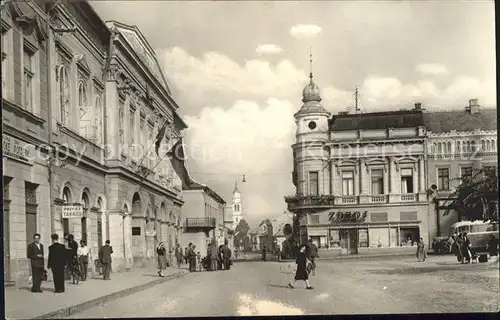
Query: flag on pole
[[177, 159], [160, 136]]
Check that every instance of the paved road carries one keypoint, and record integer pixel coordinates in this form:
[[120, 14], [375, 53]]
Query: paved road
[[340, 287]]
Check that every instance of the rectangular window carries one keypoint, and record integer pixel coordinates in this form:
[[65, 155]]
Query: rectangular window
[[131, 129], [443, 179], [347, 183], [377, 181], [136, 231], [313, 183], [7, 56], [406, 181], [28, 79], [466, 173]]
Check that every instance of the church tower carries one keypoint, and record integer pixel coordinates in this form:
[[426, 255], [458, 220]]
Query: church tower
[[237, 206]]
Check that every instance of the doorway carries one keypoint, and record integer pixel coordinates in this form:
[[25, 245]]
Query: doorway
[[349, 240], [31, 210]]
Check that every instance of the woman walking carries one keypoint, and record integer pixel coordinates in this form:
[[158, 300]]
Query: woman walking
[[301, 271], [162, 258], [421, 253]]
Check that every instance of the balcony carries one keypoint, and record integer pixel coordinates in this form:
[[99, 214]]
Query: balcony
[[200, 223], [408, 198], [303, 202], [347, 200], [378, 198]]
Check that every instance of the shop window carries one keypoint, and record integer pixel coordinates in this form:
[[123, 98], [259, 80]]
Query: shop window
[[363, 238], [377, 181], [406, 181], [313, 183], [379, 237], [408, 236], [334, 238], [466, 173], [443, 179], [85, 202], [347, 183]]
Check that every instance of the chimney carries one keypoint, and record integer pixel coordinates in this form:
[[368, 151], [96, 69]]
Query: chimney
[[473, 106], [418, 106]]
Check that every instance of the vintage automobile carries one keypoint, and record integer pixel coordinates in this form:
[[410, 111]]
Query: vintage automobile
[[478, 231]]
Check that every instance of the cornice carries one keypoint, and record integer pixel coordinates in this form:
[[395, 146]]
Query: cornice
[[20, 112], [452, 134]]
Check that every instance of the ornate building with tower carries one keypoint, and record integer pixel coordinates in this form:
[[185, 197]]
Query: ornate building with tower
[[363, 181]]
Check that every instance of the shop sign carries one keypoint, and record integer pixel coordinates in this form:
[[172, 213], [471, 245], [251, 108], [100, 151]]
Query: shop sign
[[72, 211], [347, 217], [18, 150], [150, 233]]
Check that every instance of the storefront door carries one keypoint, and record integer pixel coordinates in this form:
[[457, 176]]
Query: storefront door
[[349, 240]]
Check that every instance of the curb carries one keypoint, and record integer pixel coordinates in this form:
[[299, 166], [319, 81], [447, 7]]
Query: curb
[[67, 311], [357, 257]]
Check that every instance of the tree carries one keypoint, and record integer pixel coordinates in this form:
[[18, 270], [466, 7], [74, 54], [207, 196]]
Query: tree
[[240, 233], [476, 198]]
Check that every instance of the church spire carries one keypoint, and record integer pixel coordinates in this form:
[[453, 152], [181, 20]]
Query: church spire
[[310, 64], [236, 187]]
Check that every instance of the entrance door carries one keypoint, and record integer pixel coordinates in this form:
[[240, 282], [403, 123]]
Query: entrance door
[[349, 240], [31, 209], [6, 229]]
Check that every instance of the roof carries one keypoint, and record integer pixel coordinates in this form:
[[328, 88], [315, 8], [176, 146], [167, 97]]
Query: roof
[[460, 120], [199, 186], [377, 120]]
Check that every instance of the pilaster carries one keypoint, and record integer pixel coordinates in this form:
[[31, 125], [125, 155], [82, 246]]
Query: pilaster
[[112, 120]]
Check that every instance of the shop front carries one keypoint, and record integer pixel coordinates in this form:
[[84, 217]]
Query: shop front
[[361, 230]]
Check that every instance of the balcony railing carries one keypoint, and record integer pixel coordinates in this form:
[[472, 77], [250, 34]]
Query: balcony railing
[[378, 199], [408, 197], [348, 199], [202, 222], [296, 202]]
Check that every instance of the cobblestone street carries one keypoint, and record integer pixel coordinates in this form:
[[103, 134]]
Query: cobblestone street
[[391, 285]]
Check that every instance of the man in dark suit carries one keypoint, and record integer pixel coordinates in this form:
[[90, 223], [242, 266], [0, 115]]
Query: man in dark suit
[[105, 258], [226, 253], [35, 254], [57, 262]]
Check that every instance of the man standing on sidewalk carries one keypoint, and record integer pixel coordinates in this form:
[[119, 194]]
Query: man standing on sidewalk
[[178, 255], [83, 258], [35, 254], [105, 258], [214, 255], [57, 262]]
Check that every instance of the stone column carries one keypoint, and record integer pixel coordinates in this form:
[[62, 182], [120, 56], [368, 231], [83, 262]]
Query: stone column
[[416, 176], [357, 173], [421, 174], [362, 177], [127, 241]]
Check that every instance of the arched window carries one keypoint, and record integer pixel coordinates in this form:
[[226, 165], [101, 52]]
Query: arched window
[[493, 145], [488, 145], [151, 154], [86, 113], [67, 200], [468, 146], [448, 147], [483, 145], [64, 96], [458, 147], [98, 120], [440, 148], [85, 202], [82, 94], [433, 148], [464, 147], [473, 146]]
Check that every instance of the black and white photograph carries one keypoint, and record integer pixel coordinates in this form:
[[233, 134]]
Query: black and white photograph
[[248, 158]]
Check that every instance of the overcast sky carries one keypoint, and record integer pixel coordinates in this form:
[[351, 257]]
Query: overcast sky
[[237, 70]]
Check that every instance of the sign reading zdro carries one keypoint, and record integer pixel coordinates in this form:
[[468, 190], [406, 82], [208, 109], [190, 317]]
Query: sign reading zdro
[[18, 150], [72, 211]]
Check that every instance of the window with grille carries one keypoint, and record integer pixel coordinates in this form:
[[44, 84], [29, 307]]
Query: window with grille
[[313, 183], [443, 179], [466, 173], [407, 181], [29, 74], [377, 181], [347, 183]]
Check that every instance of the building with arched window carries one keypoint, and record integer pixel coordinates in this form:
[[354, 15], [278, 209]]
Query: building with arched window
[[25, 207]]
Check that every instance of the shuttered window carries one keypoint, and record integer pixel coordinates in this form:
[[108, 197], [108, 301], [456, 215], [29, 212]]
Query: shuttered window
[[379, 217], [408, 216]]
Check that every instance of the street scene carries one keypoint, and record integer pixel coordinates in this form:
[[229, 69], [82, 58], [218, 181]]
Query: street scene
[[187, 159]]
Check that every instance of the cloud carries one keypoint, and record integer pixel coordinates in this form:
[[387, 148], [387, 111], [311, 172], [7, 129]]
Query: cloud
[[268, 49], [431, 69], [301, 31]]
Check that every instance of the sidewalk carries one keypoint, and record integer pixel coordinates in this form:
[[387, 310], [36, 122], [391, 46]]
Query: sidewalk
[[21, 303]]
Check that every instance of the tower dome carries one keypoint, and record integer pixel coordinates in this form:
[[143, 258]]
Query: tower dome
[[311, 91]]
